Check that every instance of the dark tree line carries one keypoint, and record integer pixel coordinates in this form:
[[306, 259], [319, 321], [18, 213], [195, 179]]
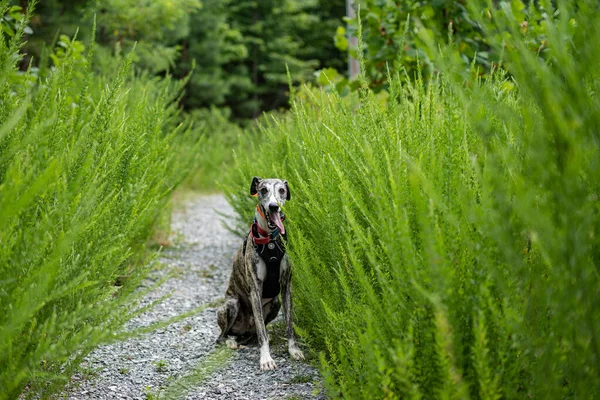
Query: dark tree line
[[240, 48]]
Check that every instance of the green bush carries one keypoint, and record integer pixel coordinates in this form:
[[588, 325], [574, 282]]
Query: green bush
[[392, 32], [86, 164], [445, 243]]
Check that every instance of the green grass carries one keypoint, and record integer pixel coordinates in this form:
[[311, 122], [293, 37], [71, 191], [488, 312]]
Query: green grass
[[301, 379], [445, 243], [161, 365], [87, 162], [180, 387]]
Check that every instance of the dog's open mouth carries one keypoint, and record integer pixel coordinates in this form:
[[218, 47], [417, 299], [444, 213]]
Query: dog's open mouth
[[274, 221]]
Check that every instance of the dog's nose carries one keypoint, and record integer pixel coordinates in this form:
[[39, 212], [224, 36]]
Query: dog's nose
[[273, 207]]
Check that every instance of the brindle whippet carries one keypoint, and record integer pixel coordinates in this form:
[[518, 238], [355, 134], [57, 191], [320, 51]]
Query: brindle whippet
[[260, 269]]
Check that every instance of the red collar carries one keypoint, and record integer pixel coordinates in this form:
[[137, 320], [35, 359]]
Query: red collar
[[261, 237]]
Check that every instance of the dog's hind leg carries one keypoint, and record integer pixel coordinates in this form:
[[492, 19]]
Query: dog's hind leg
[[226, 315]]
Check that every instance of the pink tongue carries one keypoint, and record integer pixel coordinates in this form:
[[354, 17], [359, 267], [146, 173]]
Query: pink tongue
[[276, 219]]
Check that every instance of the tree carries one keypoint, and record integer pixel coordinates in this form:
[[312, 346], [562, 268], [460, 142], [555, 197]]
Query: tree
[[271, 32], [218, 51], [242, 49]]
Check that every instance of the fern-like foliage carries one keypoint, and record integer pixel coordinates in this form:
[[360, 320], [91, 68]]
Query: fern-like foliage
[[86, 164], [445, 241]]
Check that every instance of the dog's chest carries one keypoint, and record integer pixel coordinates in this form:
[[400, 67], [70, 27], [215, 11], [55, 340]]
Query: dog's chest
[[272, 254], [269, 271], [271, 286]]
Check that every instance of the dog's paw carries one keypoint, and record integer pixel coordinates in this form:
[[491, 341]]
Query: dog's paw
[[231, 343], [296, 353], [267, 363]]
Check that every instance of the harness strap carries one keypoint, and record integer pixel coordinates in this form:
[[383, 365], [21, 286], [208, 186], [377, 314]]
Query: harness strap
[[271, 248]]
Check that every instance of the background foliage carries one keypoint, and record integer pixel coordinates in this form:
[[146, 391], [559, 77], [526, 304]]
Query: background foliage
[[392, 32], [241, 48]]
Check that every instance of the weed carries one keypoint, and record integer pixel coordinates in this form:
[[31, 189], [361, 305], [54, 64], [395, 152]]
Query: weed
[[317, 389], [151, 393], [277, 340], [301, 379], [179, 387], [217, 302], [176, 272], [161, 365], [89, 372]]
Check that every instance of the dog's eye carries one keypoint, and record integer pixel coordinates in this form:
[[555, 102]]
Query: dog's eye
[[263, 191], [282, 191]]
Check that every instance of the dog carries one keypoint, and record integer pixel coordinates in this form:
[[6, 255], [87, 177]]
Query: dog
[[261, 270]]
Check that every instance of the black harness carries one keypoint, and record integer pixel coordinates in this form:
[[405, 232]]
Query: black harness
[[271, 249]]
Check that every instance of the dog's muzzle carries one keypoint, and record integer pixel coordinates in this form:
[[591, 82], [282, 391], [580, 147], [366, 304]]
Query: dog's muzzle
[[274, 218]]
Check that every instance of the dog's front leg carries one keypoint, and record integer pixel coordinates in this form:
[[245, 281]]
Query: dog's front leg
[[286, 294], [266, 362]]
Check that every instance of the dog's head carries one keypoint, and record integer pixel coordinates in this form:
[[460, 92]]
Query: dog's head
[[272, 195]]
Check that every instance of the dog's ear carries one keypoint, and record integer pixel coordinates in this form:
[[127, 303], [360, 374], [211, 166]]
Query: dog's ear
[[287, 190], [254, 186]]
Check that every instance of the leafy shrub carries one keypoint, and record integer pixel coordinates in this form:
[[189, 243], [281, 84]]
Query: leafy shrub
[[445, 243], [86, 164], [153, 27], [392, 32]]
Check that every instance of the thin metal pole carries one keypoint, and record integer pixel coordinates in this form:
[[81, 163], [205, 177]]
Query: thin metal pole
[[353, 64]]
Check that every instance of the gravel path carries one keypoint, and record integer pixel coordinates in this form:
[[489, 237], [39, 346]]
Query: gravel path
[[181, 360]]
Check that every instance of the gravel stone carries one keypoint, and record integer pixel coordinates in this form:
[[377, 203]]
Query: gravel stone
[[139, 367]]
